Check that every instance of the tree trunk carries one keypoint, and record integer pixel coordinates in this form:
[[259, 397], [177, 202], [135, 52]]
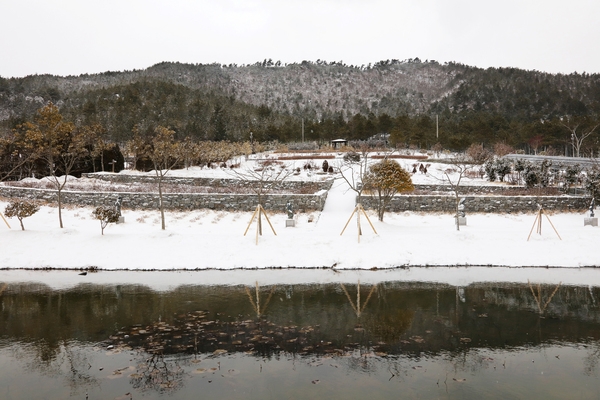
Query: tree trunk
[[160, 202], [456, 215], [59, 195], [259, 222], [381, 204]]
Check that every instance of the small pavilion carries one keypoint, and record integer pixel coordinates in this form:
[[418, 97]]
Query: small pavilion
[[339, 143]]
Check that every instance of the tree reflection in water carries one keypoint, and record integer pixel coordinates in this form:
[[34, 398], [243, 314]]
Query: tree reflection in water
[[256, 305], [386, 328], [538, 297], [158, 373], [66, 360]]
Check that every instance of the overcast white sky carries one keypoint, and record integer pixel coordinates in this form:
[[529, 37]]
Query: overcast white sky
[[71, 37]]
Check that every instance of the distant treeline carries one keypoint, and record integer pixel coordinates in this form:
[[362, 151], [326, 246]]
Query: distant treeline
[[419, 104]]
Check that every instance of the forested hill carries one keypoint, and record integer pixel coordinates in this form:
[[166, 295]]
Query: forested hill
[[400, 97]]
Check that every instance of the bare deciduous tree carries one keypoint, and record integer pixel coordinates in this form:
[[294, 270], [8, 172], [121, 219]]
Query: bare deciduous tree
[[579, 132], [262, 181], [453, 176], [164, 153]]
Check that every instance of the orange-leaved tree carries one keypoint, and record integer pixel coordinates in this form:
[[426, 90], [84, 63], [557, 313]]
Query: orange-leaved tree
[[58, 143], [386, 178]]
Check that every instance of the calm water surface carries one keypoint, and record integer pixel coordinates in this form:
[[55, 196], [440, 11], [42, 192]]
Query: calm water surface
[[390, 340]]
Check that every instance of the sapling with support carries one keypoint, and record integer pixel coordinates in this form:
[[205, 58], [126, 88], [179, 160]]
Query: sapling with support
[[353, 171], [453, 176], [262, 181]]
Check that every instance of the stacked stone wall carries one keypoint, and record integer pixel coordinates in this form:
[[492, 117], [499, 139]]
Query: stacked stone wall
[[173, 201], [303, 202], [481, 204], [214, 182]]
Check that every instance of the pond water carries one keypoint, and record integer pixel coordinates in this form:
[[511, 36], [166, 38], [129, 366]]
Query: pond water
[[386, 339]]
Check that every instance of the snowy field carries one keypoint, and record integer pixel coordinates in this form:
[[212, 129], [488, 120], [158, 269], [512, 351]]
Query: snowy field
[[206, 239]]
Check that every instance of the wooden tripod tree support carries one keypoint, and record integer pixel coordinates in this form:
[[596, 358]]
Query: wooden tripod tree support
[[258, 213], [538, 222], [4, 219], [256, 305], [358, 210], [538, 296], [357, 307]]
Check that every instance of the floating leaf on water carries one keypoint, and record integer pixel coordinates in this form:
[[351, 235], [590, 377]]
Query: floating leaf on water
[[465, 340], [459, 380], [315, 382], [218, 352], [200, 371]]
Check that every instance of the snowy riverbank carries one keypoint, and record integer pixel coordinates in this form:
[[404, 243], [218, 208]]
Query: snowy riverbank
[[207, 239]]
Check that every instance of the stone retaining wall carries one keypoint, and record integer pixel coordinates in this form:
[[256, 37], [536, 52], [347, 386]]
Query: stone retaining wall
[[481, 204], [302, 202], [214, 182], [174, 201]]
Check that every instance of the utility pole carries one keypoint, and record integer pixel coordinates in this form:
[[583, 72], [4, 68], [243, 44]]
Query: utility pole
[[437, 128], [302, 130]]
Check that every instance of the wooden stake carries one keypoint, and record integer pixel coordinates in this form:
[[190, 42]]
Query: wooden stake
[[551, 224], [368, 219], [269, 221], [5, 221], [534, 223], [251, 219], [349, 219]]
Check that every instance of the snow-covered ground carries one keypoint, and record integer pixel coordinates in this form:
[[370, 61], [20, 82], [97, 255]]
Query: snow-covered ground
[[206, 239]]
